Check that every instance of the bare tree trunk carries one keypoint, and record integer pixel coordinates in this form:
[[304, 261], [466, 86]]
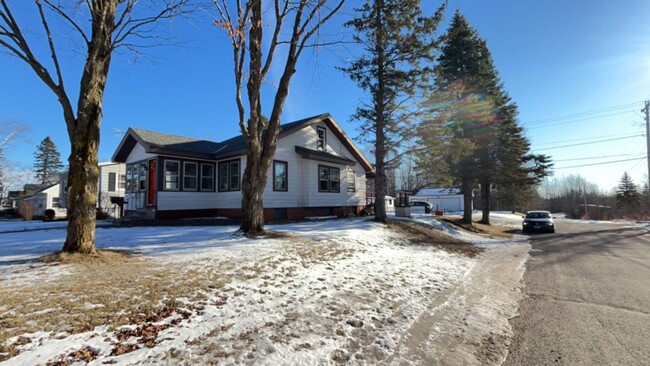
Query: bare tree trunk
[[485, 202], [467, 202], [84, 134], [246, 33], [83, 129], [253, 192], [82, 196]]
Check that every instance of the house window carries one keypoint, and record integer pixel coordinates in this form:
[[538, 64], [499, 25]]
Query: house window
[[142, 180], [328, 179], [229, 175], [207, 177], [112, 182], [190, 176], [130, 185], [55, 202], [322, 138], [280, 175], [122, 182], [351, 181], [171, 175]]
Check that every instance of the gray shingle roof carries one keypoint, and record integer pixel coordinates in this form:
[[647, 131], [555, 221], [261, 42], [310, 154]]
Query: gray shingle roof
[[165, 144], [176, 143]]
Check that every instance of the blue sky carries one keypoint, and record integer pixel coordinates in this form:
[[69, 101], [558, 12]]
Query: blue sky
[[556, 58]]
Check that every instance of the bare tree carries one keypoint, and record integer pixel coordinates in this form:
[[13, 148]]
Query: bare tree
[[10, 131], [253, 56], [409, 179], [113, 24]]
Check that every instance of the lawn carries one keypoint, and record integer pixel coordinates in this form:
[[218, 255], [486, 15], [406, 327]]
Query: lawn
[[316, 292]]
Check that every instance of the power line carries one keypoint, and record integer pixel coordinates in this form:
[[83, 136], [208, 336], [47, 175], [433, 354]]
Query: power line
[[580, 120], [589, 143], [587, 138], [603, 163], [595, 157], [581, 114]]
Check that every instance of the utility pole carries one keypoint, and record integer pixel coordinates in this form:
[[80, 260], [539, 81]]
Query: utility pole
[[646, 110]]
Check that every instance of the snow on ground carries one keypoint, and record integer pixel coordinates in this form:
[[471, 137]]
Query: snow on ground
[[14, 225], [338, 291]]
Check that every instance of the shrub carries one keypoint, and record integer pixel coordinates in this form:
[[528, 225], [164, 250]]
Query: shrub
[[49, 214], [26, 210]]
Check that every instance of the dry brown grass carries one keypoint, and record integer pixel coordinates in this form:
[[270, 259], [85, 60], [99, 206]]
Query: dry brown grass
[[421, 235], [119, 288], [492, 231], [109, 288]]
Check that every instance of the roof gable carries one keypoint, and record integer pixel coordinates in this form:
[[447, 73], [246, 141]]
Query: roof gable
[[162, 143]]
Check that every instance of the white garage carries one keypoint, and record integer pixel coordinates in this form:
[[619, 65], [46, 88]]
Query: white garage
[[443, 199]]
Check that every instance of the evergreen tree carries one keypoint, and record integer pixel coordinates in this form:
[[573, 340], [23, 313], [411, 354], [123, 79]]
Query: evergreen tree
[[399, 44], [48, 160], [627, 195], [472, 109]]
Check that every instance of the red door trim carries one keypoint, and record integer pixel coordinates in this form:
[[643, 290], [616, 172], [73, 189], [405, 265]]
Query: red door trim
[[151, 189]]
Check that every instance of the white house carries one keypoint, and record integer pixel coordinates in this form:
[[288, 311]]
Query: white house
[[111, 184], [317, 170], [443, 199], [43, 198]]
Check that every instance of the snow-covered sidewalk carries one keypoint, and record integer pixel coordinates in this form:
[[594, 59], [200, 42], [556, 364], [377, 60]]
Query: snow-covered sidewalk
[[340, 291]]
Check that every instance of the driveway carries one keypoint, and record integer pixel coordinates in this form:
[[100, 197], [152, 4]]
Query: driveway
[[587, 298]]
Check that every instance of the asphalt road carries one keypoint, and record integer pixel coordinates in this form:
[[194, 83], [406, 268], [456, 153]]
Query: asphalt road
[[587, 298]]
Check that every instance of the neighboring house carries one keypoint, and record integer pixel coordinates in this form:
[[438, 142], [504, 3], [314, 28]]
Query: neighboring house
[[12, 199], [443, 199], [44, 197], [390, 202], [111, 184], [317, 171]]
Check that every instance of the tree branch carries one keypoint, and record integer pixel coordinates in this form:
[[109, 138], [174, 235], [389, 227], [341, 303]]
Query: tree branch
[[57, 9]]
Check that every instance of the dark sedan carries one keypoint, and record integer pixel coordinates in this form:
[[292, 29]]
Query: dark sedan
[[538, 221]]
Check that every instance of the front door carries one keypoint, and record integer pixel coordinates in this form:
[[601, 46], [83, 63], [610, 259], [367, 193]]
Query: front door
[[151, 191]]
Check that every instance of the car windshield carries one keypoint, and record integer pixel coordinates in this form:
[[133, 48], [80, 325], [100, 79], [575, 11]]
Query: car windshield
[[538, 215]]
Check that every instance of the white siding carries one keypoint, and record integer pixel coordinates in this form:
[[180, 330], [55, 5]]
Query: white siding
[[138, 154], [104, 170], [168, 200], [302, 176], [45, 200], [444, 203], [286, 151]]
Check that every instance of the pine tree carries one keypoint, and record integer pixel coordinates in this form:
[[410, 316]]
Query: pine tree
[[472, 110], [399, 44], [48, 160], [627, 195]]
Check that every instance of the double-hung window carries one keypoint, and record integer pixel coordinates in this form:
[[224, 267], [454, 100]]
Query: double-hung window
[[190, 176], [351, 181], [112, 182], [207, 177], [172, 170], [229, 175], [328, 179], [122, 182], [280, 176]]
